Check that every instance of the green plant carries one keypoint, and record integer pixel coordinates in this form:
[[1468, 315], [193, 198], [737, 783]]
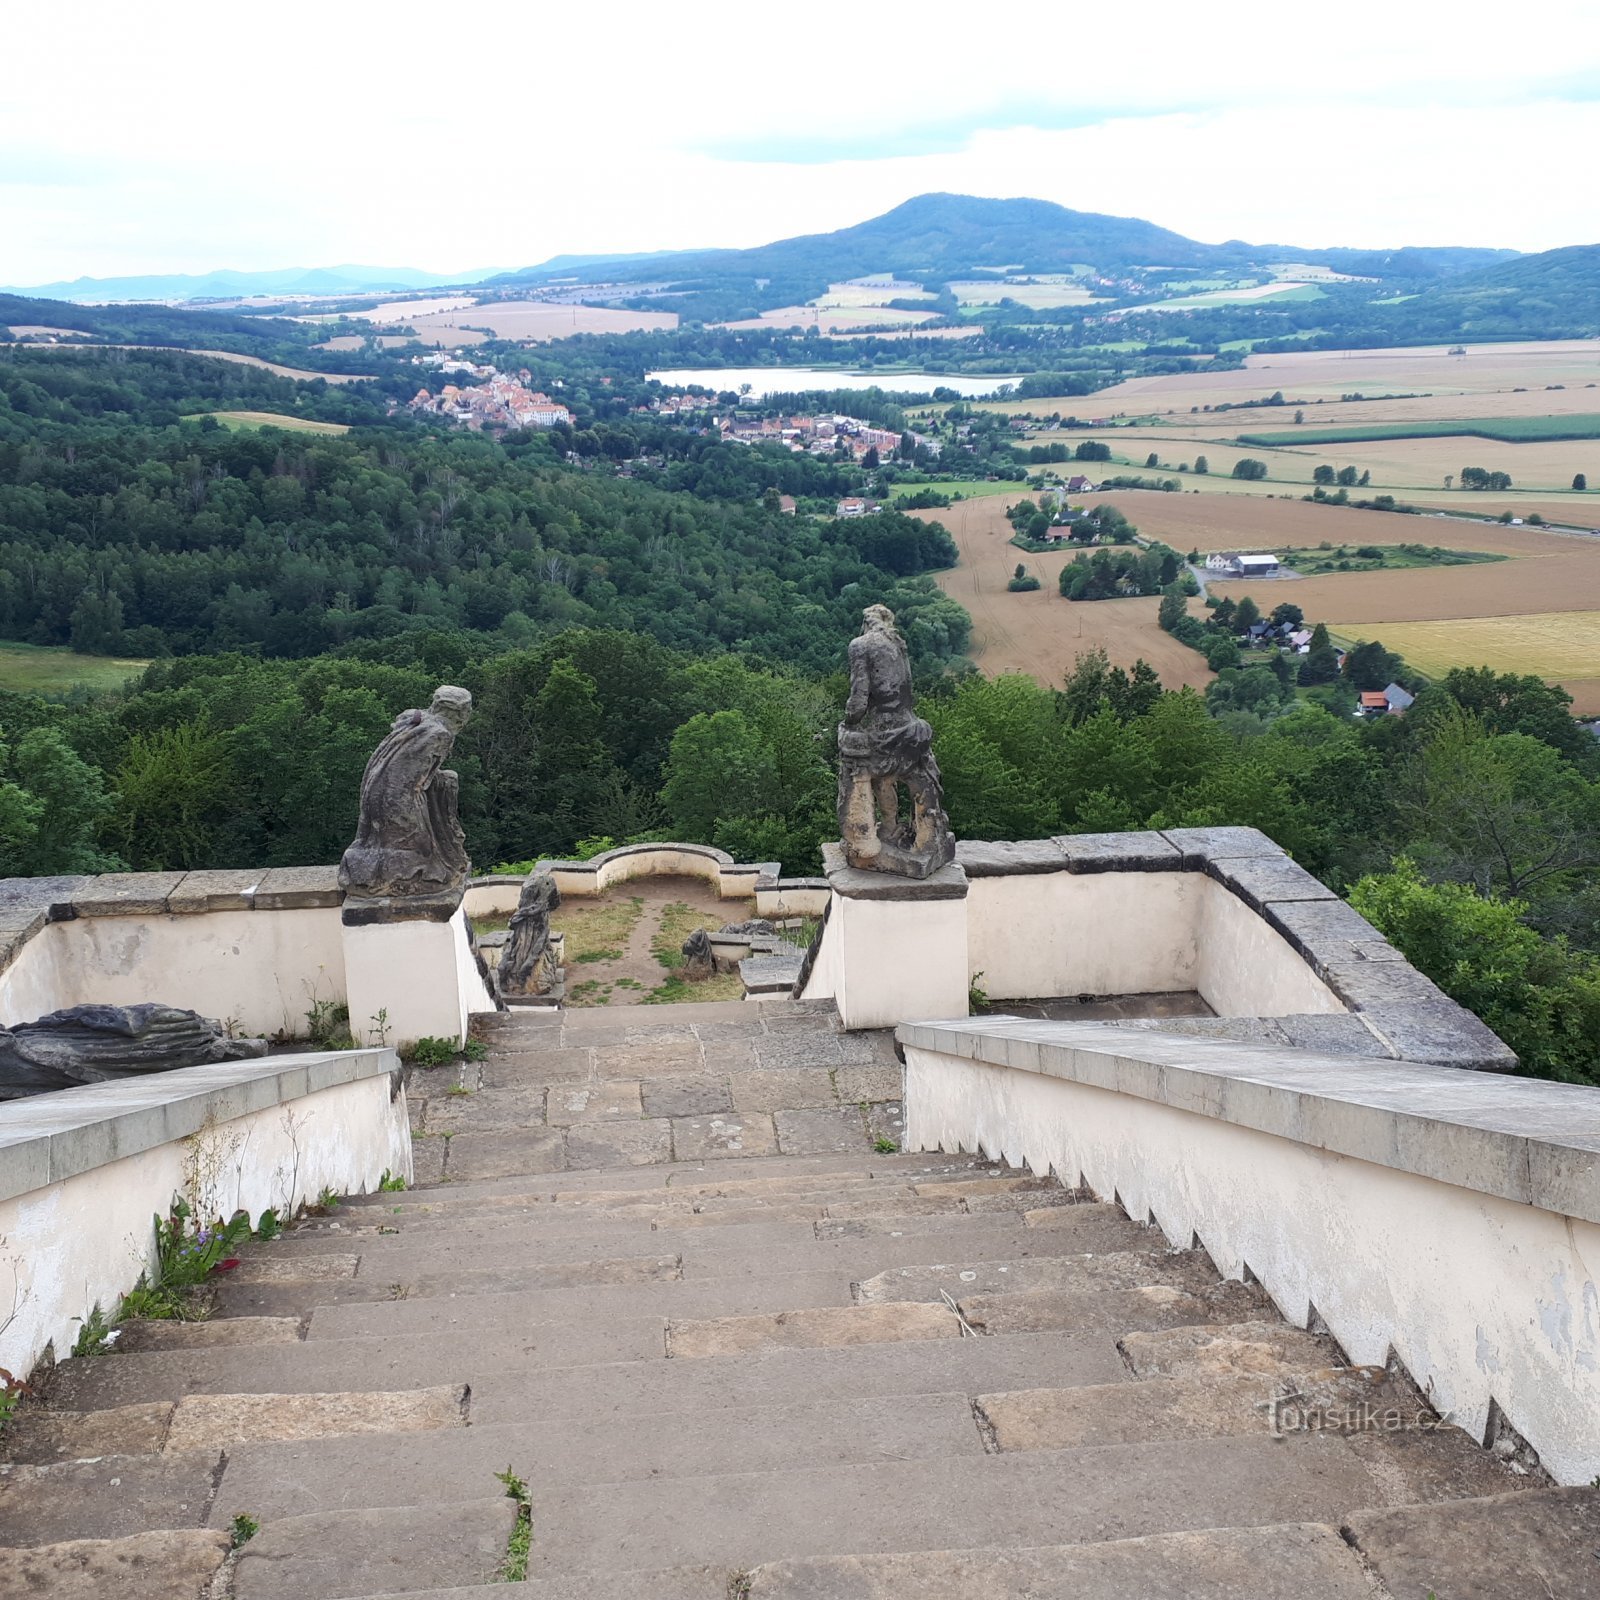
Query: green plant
[[389, 1184], [243, 1529], [455, 1091], [327, 1201], [10, 1394], [378, 1033], [94, 1334], [977, 995], [474, 1050], [431, 1051], [884, 1145], [328, 1024], [514, 1569], [600, 955], [186, 1255], [270, 1225]]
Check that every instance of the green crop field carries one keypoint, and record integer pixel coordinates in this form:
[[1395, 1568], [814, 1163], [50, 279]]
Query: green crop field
[[1506, 430], [270, 419], [41, 669]]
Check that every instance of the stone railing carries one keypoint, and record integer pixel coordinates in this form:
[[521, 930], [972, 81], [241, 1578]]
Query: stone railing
[[83, 1171], [1447, 1217], [255, 949], [1221, 913]]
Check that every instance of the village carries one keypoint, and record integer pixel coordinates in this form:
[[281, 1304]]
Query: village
[[493, 400]]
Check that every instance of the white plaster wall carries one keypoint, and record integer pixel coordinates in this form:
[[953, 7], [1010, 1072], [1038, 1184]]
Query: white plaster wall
[[419, 975], [1061, 933], [492, 899], [663, 863], [898, 960], [773, 901], [1246, 968], [823, 980], [1478, 1296], [255, 970], [85, 1240]]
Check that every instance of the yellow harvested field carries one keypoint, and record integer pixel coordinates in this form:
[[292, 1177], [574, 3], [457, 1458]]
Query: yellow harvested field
[[1496, 370], [845, 296], [1036, 296], [1041, 634], [969, 332], [536, 321], [829, 320], [398, 310], [459, 337], [39, 330], [1563, 646]]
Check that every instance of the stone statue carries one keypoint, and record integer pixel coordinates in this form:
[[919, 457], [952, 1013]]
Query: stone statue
[[883, 744], [524, 962], [89, 1044], [698, 961], [409, 840]]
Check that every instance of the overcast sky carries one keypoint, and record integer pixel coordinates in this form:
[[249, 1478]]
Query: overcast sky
[[180, 137]]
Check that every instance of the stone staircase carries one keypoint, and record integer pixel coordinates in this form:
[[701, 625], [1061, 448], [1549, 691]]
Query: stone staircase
[[663, 1269]]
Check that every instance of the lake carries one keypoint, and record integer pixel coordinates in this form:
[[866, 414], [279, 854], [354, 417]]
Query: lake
[[791, 380]]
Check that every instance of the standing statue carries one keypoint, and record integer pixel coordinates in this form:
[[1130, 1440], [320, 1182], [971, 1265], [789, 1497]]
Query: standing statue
[[883, 743], [525, 962], [409, 840]]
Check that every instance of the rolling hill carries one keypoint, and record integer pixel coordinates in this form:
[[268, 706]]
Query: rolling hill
[[226, 284]]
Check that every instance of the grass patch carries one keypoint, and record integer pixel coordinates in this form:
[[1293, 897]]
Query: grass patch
[[1504, 430], [1381, 558], [676, 991], [678, 921], [269, 419], [514, 1568], [54, 669], [956, 488], [599, 926]]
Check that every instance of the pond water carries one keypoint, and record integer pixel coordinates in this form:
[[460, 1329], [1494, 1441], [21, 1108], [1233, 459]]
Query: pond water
[[790, 380]]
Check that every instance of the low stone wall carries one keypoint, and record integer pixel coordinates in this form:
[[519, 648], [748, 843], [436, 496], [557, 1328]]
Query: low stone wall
[[83, 1171], [1449, 1217], [732, 880]]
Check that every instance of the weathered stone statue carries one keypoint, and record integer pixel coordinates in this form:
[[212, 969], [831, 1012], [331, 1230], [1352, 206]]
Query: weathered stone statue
[[89, 1044], [698, 961], [409, 842], [524, 962], [883, 744]]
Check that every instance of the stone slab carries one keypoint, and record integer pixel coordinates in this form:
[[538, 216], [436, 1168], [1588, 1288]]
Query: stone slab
[[38, 1434], [621, 1143], [704, 1095], [225, 889], [948, 883], [53, 895], [788, 1089], [126, 894], [333, 1553], [983, 858], [1441, 1032], [1539, 1542], [483, 1111], [811, 1133], [176, 1564], [1198, 845], [1118, 852], [823, 1328], [209, 1335], [1113, 1311], [592, 1102], [1293, 1561], [1265, 1348], [886, 1120], [109, 1497], [1190, 1272], [871, 1081], [1261, 880], [495, 1155], [218, 1421], [723, 1137], [1343, 1034]]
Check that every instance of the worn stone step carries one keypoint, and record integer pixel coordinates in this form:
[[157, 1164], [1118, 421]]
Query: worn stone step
[[1272, 1348], [39, 1434], [110, 1497], [167, 1565], [1539, 1542], [597, 1305], [326, 1554], [1341, 1399], [1287, 1561], [1110, 1492], [658, 1583], [1113, 1311], [208, 1335], [1188, 1270], [809, 1329], [219, 1421], [277, 1480], [513, 1377]]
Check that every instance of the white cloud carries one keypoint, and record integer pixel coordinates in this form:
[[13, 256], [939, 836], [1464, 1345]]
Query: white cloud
[[188, 137]]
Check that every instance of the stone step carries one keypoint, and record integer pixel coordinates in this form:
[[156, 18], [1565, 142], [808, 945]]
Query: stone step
[[1341, 1399], [1286, 1561], [1271, 1348], [822, 1328], [40, 1434], [1097, 1226], [108, 1497], [287, 1479], [1539, 1542], [1113, 1311], [404, 1315], [208, 1335], [167, 1565], [513, 1379], [326, 1554], [1188, 1270], [658, 1583], [958, 1502]]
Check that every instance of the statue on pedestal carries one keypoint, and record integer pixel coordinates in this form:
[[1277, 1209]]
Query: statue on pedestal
[[525, 962], [882, 745], [409, 844]]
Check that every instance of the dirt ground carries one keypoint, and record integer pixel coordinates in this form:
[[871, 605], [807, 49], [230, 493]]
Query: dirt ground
[[641, 921]]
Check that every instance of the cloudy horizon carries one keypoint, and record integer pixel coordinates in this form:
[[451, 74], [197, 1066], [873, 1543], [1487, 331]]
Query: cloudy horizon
[[387, 136]]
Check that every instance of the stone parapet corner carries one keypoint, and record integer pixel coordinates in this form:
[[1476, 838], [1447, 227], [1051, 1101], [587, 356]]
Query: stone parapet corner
[[853, 883]]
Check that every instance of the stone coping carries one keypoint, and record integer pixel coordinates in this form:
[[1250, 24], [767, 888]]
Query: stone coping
[[763, 874], [48, 1138], [1520, 1139], [857, 883]]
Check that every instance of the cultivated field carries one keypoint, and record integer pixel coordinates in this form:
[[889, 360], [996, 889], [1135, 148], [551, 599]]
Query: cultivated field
[[1041, 634], [1037, 295], [1228, 297], [970, 331], [831, 319], [398, 310], [857, 296], [536, 321], [38, 669], [270, 419], [300, 374], [459, 338]]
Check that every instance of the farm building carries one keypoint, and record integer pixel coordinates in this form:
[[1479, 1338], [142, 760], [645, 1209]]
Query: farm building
[[1243, 564]]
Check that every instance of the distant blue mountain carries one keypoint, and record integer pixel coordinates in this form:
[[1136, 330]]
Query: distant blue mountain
[[226, 285]]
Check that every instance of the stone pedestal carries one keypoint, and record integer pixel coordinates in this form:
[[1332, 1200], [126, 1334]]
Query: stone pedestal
[[900, 944], [419, 972]]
